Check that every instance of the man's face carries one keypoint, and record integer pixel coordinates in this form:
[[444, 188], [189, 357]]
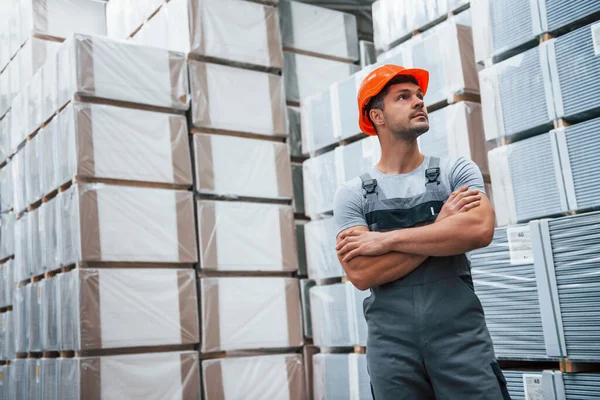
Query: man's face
[[404, 112]]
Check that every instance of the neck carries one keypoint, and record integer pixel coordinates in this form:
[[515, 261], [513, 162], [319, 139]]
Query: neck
[[399, 156]]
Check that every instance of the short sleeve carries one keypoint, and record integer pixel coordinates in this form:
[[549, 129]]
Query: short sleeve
[[348, 209], [466, 173]]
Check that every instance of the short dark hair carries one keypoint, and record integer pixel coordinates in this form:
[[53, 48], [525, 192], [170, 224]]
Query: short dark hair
[[376, 102]]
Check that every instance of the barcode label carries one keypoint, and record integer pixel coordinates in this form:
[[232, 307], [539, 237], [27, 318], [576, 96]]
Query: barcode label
[[533, 387], [520, 245], [596, 38]]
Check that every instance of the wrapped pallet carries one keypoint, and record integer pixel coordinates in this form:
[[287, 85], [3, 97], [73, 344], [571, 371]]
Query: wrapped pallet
[[124, 308], [49, 158], [318, 30], [321, 258], [7, 235], [305, 286], [50, 235], [301, 246], [19, 379], [60, 19], [43, 378], [7, 283], [317, 122], [239, 236], [337, 315], [171, 375], [50, 307], [341, 376], [241, 167], [502, 103], [35, 54], [33, 156], [306, 76], [106, 142], [114, 70], [111, 223], [6, 189], [321, 180], [294, 126], [34, 317], [526, 180], [278, 376], [250, 313], [355, 159], [21, 319], [344, 107], [457, 131], [559, 15], [7, 336], [298, 183], [18, 168], [218, 105]]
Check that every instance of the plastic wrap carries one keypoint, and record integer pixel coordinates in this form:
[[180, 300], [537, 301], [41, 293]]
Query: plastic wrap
[[17, 121], [305, 285], [33, 92], [34, 54], [43, 378], [306, 76], [21, 243], [294, 126], [116, 70], [321, 181], [49, 312], [367, 53], [62, 18], [504, 26], [576, 51], [4, 135], [7, 333], [301, 246], [21, 319], [236, 236], [357, 158], [278, 376], [50, 234], [321, 257], [527, 181], [123, 17], [337, 315], [6, 189], [7, 285], [48, 142], [18, 168], [126, 224], [124, 308], [7, 235], [317, 122], [580, 385], [19, 379], [5, 92], [34, 243], [233, 166], [107, 142], [250, 313], [33, 158], [34, 292], [505, 282], [502, 86], [457, 131], [298, 183], [48, 90], [170, 375], [318, 30], [218, 104]]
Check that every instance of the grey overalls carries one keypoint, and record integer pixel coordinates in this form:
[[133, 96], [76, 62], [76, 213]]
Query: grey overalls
[[427, 333]]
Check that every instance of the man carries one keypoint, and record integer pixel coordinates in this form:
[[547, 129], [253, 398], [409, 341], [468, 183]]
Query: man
[[403, 231]]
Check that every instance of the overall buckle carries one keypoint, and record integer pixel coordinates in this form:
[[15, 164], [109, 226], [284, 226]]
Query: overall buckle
[[432, 175]]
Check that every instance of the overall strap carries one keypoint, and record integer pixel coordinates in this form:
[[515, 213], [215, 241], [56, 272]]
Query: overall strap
[[369, 186], [432, 173]]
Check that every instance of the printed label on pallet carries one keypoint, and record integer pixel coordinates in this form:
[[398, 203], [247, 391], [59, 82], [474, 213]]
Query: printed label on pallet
[[520, 245], [596, 38], [532, 384]]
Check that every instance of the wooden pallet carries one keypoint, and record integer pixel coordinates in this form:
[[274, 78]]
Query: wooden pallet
[[572, 367], [203, 273], [564, 365], [455, 98], [246, 353], [245, 135], [127, 351], [5, 309]]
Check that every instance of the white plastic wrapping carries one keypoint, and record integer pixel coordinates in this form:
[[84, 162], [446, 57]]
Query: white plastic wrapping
[[7, 235], [317, 122], [107, 142], [124, 308], [62, 18], [4, 135], [21, 319], [170, 375], [49, 92], [19, 379], [18, 168], [318, 30], [51, 234], [236, 236], [7, 334], [33, 157], [217, 103], [367, 53], [19, 109], [342, 376], [337, 315], [6, 188], [49, 314], [43, 378], [306, 76], [21, 243], [357, 158], [112, 223], [34, 242], [321, 257], [116, 70], [321, 180], [7, 283], [278, 376], [457, 131], [123, 17], [240, 167], [34, 54], [48, 143], [33, 92], [250, 313], [34, 292]]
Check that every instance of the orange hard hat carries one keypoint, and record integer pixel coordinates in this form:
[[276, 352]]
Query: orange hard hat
[[376, 81]]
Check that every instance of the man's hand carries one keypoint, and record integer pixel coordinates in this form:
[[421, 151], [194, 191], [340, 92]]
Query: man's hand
[[460, 201], [355, 242]]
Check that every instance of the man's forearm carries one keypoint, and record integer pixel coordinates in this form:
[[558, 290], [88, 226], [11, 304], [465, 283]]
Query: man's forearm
[[365, 271]]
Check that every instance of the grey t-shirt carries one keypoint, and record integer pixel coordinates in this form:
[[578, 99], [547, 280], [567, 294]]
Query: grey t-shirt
[[349, 204]]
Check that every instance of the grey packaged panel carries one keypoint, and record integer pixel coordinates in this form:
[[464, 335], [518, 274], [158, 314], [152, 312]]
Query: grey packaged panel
[[560, 13], [305, 286], [505, 282], [330, 316], [331, 379], [301, 245], [582, 386], [320, 183], [19, 379], [575, 247], [295, 131], [321, 257], [577, 91], [513, 23], [298, 183], [317, 122]]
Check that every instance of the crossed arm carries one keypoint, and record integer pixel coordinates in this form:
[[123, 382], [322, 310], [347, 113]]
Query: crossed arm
[[465, 223]]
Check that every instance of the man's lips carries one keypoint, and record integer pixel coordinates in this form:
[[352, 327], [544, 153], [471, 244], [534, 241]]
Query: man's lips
[[417, 115]]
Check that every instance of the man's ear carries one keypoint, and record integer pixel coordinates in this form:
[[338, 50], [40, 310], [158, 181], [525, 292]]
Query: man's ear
[[376, 116]]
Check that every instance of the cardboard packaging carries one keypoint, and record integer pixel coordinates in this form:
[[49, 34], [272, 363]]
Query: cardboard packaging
[[278, 376], [250, 314], [123, 308], [119, 71], [236, 236], [107, 142], [172, 375], [240, 167], [110, 223], [306, 76], [217, 103], [318, 30]]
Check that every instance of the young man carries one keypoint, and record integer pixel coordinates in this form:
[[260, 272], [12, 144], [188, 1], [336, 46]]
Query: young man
[[403, 231]]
